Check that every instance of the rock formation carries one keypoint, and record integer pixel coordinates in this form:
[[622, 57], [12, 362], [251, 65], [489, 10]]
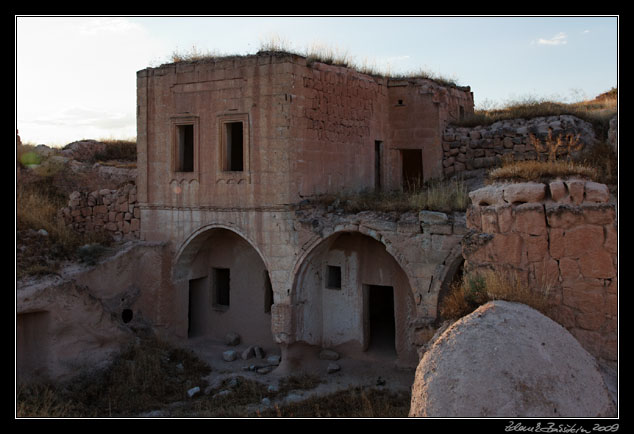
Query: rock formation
[[508, 360]]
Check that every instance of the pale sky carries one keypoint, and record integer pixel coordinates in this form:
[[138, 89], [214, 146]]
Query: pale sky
[[76, 76]]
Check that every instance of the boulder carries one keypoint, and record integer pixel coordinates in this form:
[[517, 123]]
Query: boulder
[[232, 339], [83, 150], [508, 360], [229, 356]]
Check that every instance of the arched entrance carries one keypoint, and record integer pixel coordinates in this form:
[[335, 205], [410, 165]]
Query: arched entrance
[[228, 287], [349, 291]]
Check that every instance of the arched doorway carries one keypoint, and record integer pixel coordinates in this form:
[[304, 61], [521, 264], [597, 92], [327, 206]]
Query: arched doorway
[[228, 287], [350, 292]]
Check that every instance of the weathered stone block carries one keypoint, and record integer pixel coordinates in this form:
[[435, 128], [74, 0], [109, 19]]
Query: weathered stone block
[[597, 264], [563, 216], [490, 195], [524, 192], [536, 247], [506, 248], [583, 241], [576, 189], [530, 219]]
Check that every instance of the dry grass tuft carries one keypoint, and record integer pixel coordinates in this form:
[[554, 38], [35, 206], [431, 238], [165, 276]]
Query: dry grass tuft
[[542, 171], [445, 196], [598, 111], [478, 288], [315, 52], [42, 400], [145, 376]]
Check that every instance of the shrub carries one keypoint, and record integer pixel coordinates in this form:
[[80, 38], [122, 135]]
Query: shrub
[[435, 195], [542, 171], [478, 288]]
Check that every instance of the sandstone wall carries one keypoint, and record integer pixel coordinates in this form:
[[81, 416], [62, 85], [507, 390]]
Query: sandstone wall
[[561, 236], [113, 211], [466, 149], [424, 245]]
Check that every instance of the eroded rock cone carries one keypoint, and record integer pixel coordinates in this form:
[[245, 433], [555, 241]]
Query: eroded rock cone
[[508, 360]]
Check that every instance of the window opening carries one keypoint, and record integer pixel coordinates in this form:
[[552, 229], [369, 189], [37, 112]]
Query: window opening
[[185, 137], [222, 287], [333, 277], [234, 149], [127, 315]]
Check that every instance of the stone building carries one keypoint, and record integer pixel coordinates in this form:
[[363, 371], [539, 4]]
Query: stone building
[[228, 148]]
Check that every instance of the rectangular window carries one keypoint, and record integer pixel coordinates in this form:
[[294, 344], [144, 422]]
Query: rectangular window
[[333, 278], [234, 147], [222, 287], [185, 148]]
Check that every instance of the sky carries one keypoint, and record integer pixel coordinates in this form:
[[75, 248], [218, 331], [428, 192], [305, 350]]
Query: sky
[[75, 76]]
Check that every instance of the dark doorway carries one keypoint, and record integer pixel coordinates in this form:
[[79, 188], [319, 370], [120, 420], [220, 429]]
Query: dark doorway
[[382, 325], [377, 165], [222, 287], [412, 169], [198, 300]]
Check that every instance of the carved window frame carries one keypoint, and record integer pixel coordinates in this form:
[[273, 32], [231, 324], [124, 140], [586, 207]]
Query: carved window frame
[[175, 122], [229, 176]]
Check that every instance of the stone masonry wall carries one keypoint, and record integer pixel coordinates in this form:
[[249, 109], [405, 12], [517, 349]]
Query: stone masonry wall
[[466, 149], [113, 211], [561, 236]]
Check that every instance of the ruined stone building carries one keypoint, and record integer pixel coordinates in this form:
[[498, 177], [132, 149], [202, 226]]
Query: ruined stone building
[[232, 155], [227, 149]]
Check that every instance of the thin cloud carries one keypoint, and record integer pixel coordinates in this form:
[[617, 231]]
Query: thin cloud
[[559, 39]]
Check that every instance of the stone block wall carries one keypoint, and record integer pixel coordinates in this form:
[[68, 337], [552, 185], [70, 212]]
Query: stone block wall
[[561, 236], [113, 211], [481, 147]]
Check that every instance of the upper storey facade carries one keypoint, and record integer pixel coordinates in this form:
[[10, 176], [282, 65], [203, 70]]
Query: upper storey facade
[[270, 129]]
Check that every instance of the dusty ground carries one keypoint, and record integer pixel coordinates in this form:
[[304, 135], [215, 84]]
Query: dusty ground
[[374, 369]]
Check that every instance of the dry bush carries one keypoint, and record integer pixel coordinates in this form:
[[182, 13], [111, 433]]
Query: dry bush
[[482, 286], [544, 171], [143, 377], [598, 111], [557, 146], [42, 401], [446, 196]]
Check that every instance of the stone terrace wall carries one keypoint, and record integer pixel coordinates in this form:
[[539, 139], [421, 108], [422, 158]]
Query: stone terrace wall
[[561, 235], [466, 149], [113, 211]]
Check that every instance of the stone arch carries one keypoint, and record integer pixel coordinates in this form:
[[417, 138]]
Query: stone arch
[[227, 284], [191, 245], [453, 269], [334, 292]]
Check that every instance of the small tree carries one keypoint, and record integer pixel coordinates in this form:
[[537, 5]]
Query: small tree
[[553, 146]]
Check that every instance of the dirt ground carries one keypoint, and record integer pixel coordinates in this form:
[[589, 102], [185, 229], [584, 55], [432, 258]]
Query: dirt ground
[[374, 369]]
